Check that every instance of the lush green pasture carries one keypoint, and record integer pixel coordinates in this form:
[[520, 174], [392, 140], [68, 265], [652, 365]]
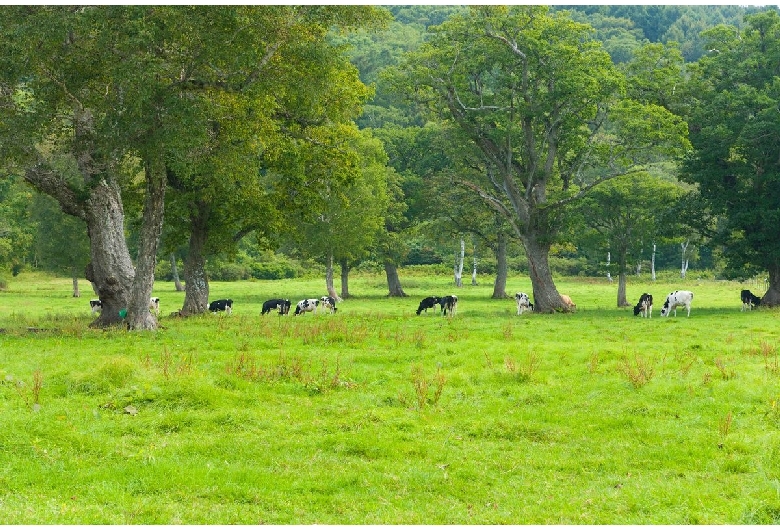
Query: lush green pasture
[[375, 415]]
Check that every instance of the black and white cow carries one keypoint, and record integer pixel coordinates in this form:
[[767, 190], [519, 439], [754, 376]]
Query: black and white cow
[[644, 306], [306, 306], [523, 303], [749, 299], [428, 303], [96, 305], [328, 303], [677, 299], [448, 303], [224, 304], [276, 303]]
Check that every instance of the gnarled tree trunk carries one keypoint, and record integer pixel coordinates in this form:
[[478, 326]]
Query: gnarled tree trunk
[[196, 284], [393, 282], [546, 296], [139, 316], [110, 269]]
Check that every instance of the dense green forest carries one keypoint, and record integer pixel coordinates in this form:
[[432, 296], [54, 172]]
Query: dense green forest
[[230, 143]]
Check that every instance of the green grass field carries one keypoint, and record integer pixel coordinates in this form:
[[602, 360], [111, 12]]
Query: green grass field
[[377, 416]]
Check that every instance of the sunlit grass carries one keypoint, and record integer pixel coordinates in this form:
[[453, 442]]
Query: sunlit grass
[[378, 416]]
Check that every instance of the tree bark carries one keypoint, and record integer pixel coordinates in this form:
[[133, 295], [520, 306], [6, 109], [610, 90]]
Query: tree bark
[[499, 286], [175, 273], [139, 317], [772, 296], [344, 279], [547, 299], [393, 282], [75, 276], [622, 275], [329, 278], [110, 269], [196, 284], [459, 256]]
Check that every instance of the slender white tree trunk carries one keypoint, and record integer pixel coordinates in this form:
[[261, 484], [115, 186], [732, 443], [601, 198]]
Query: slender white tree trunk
[[684, 266], [474, 269], [652, 264], [459, 263]]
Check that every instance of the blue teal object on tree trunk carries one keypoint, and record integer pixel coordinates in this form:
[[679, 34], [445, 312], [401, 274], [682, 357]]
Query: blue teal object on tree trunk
[[122, 313]]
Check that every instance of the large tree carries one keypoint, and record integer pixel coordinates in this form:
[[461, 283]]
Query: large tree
[[735, 132], [546, 106], [92, 94]]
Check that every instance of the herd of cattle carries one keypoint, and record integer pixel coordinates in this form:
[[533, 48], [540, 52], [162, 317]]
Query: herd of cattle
[[448, 304]]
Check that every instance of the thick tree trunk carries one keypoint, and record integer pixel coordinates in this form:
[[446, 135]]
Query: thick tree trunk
[[110, 269], [175, 272], [344, 279], [196, 285], [139, 317], [499, 286], [772, 296], [393, 282], [546, 296]]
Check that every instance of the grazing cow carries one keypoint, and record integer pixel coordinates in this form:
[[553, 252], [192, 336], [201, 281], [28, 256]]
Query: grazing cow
[[567, 302], [329, 303], [749, 299], [428, 303], [677, 299], [277, 303], [224, 304], [644, 306], [154, 305], [96, 305], [306, 306], [523, 303], [448, 303]]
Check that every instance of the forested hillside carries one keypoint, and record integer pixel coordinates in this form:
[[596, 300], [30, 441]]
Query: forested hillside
[[281, 141]]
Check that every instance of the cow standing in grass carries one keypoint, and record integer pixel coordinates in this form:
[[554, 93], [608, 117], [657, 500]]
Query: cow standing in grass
[[328, 303], [224, 304], [523, 303], [428, 303], [449, 303], [276, 303], [749, 299], [306, 306], [677, 299], [644, 306]]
